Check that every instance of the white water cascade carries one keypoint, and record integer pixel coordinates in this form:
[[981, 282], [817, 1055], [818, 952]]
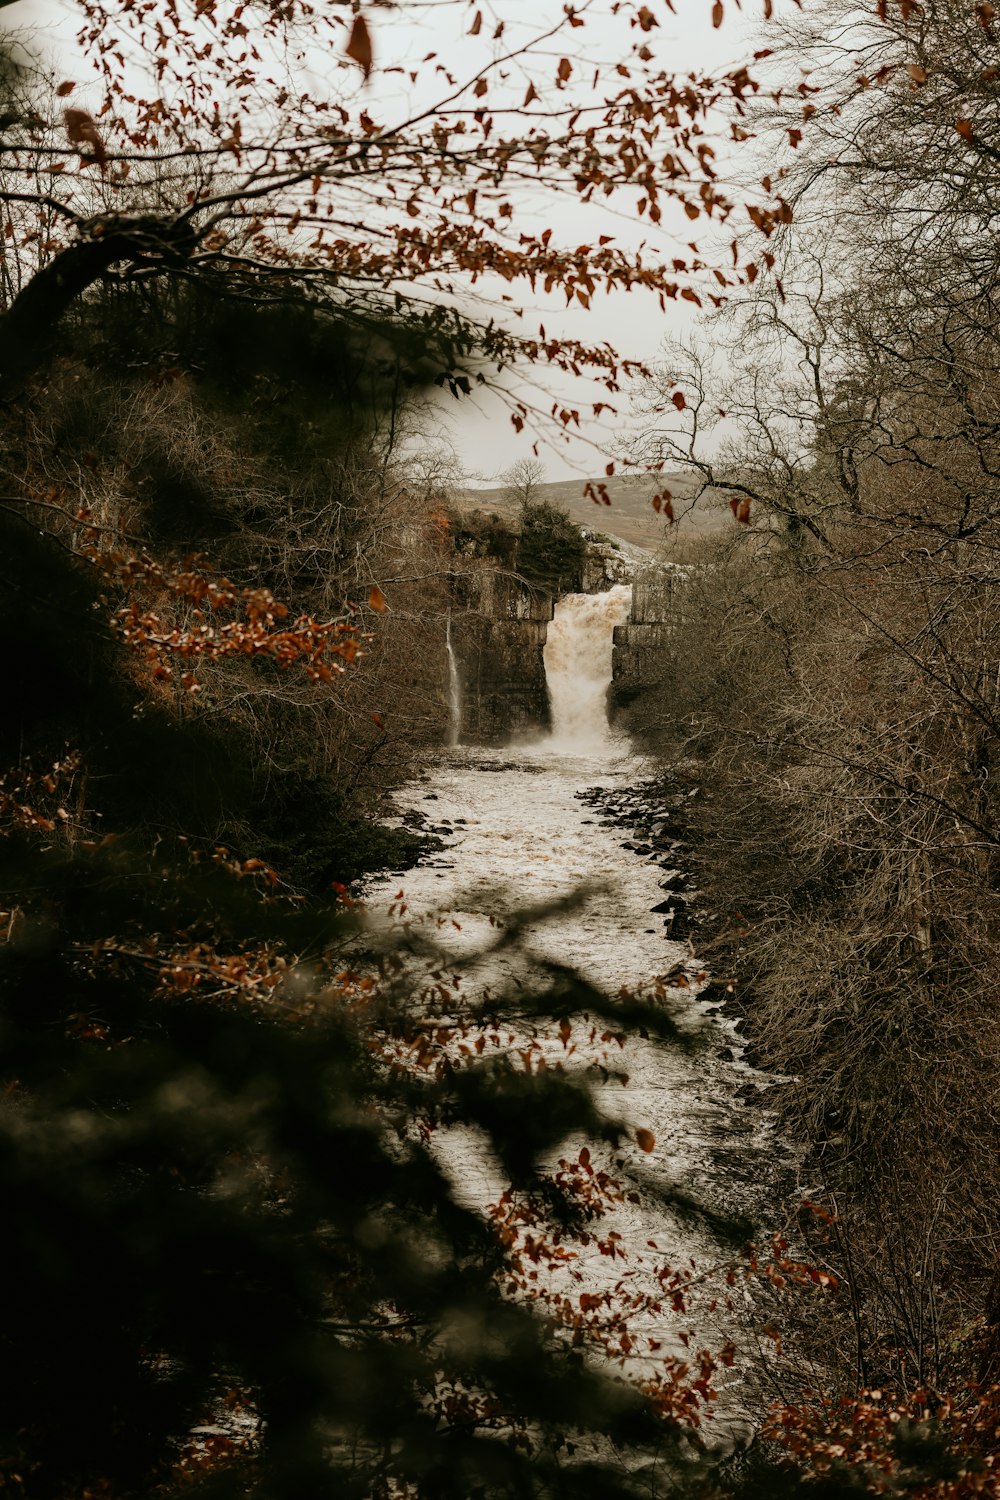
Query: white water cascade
[[578, 667], [454, 689], [523, 828]]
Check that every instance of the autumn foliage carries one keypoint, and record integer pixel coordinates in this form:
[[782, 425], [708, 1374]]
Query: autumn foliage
[[238, 1258], [235, 1257]]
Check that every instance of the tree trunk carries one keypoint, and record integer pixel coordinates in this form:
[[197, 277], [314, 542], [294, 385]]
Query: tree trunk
[[28, 328]]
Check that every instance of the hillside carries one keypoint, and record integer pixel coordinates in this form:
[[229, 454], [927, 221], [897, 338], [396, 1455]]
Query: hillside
[[630, 516]]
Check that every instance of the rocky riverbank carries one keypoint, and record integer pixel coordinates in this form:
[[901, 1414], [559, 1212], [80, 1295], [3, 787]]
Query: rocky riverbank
[[654, 814]]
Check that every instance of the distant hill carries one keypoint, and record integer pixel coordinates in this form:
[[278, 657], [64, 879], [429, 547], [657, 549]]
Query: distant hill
[[630, 516]]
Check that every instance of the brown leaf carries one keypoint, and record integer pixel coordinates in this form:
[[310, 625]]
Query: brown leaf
[[82, 131], [679, 400], [531, 94], [740, 508], [564, 70], [763, 221], [477, 24], [64, 89], [917, 73], [359, 46], [964, 128], [985, 14], [645, 1139], [717, 14], [376, 599]]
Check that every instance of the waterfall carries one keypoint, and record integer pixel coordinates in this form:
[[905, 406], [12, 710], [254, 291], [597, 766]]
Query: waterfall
[[454, 689], [578, 667]]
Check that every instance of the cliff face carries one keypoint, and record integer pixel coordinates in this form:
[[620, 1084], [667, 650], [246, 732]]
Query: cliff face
[[498, 637], [606, 565], [498, 647], [642, 646]]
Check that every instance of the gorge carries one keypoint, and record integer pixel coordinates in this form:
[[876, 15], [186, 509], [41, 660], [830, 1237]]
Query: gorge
[[541, 834]]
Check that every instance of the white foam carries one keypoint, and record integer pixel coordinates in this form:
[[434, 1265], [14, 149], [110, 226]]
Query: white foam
[[578, 651]]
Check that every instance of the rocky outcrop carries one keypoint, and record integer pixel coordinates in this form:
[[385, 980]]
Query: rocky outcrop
[[609, 562]]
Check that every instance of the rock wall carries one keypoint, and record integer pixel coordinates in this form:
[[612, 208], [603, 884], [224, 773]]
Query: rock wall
[[610, 561], [642, 646], [498, 641], [606, 566]]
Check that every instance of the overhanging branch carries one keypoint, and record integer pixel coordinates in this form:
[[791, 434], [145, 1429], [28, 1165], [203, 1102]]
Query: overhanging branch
[[28, 327]]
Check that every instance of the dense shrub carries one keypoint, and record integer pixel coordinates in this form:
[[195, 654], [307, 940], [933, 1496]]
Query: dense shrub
[[551, 550]]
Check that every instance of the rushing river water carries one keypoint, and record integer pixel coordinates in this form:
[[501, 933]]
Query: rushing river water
[[521, 835]]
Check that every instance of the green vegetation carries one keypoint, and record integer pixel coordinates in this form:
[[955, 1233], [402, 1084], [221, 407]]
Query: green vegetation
[[541, 545], [551, 550], [481, 533], [216, 1140]]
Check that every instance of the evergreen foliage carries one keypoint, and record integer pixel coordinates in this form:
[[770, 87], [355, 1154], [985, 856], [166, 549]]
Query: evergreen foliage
[[551, 550], [217, 1205], [542, 545]]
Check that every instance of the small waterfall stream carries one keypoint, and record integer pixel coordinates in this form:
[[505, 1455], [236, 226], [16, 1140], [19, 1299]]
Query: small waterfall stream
[[454, 689], [520, 834]]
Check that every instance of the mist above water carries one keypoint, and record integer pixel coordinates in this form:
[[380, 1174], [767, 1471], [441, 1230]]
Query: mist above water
[[578, 651]]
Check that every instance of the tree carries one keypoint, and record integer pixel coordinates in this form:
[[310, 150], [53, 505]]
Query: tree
[[216, 1142], [522, 481], [281, 192], [550, 551], [835, 670], [221, 1106]]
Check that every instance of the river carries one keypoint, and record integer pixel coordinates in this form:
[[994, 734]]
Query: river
[[523, 829]]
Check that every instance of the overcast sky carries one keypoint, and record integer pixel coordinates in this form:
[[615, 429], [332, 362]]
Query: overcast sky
[[632, 322]]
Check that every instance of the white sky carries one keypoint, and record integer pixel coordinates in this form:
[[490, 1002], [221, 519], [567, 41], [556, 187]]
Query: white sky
[[479, 427]]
